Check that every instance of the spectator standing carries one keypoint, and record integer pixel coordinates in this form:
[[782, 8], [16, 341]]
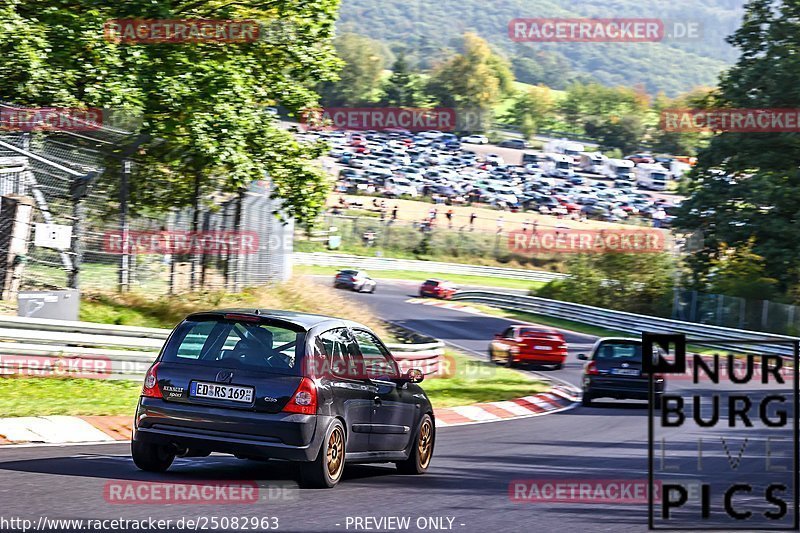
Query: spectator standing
[[449, 216], [472, 218]]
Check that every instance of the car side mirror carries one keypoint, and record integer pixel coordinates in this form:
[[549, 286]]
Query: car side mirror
[[583, 357], [415, 375]]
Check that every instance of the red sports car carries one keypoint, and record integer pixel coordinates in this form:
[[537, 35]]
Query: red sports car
[[528, 344], [436, 288]]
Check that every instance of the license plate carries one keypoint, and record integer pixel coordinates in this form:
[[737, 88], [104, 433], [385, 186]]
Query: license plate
[[625, 371], [541, 347], [220, 391]]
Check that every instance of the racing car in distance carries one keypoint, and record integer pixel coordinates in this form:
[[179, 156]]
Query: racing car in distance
[[436, 288], [523, 343], [355, 280]]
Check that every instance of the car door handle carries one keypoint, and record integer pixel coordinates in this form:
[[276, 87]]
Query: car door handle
[[377, 400]]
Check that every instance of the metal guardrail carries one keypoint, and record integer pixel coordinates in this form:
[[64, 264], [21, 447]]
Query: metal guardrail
[[628, 322], [387, 263], [45, 347]]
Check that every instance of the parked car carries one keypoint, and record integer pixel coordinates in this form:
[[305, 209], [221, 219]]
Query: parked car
[[436, 288], [614, 370], [528, 344], [257, 384], [641, 157], [475, 139], [517, 144], [355, 280]]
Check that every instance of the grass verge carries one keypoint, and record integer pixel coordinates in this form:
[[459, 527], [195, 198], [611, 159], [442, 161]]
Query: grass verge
[[559, 323], [471, 381], [413, 275], [139, 309], [29, 396]]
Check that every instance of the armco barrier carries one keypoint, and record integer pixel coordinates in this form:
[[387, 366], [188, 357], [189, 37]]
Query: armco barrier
[[626, 322], [46, 347], [388, 263]]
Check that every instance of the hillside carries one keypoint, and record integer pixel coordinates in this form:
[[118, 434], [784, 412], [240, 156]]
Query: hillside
[[429, 31]]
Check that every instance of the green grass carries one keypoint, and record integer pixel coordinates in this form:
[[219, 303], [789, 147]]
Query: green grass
[[474, 381], [560, 323], [412, 275], [107, 311], [24, 396], [471, 381]]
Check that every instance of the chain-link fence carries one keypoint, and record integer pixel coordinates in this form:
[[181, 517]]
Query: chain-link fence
[[77, 179], [735, 312]]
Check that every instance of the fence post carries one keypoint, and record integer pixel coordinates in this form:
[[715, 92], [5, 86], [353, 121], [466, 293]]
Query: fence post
[[15, 229], [764, 314], [124, 228], [79, 219], [742, 309]]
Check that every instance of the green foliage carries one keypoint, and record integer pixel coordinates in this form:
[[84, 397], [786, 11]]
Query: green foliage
[[403, 87], [532, 110], [201, 104], [637, 283], [744, 187], [740, 272], [623, 133], [474, 80], [360, 78]]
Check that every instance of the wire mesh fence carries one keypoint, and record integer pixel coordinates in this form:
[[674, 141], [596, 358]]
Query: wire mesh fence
[[74, 179], [735, 312]]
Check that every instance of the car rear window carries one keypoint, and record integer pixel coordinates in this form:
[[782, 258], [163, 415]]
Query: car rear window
[[230, 343], [530, 332], [432, 283], [619, 351]]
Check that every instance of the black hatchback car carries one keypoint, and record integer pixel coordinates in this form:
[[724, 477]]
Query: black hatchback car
[[614, 370], [273, 384]]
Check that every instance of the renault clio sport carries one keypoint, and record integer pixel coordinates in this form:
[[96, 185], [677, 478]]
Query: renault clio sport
[[272, 384]]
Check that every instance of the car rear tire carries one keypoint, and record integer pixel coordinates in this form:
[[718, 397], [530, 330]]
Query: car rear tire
[[559, 366], [151, 457], [325, 471], [422, 451], [586, 400]]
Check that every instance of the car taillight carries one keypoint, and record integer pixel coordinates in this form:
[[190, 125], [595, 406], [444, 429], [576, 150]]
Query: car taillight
[[150, 388], [591, 368], [304, 400]]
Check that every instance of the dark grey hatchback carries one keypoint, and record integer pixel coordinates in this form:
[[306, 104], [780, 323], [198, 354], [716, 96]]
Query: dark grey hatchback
[[614, 370], [274, 384]]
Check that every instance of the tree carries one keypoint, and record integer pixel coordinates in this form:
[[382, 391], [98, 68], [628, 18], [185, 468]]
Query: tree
[[201, 104], [740, 272], [360, 78], [623, 133], [744, 187], [637, 283], [474, 80], [596, 105], [402, 88], [532, 110]]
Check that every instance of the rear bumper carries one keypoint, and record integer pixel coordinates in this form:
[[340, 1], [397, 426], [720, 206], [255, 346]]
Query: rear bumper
[[607, 387], [288, 436], [554, 358]]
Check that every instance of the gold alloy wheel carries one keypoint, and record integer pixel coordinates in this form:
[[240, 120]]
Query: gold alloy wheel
[[425, 444], [335, 453]]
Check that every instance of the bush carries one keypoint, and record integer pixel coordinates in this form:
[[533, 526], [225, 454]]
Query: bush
[[636, 283]]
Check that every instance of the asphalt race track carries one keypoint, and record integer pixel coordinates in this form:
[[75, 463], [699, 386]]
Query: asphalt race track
[[468, 482]]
